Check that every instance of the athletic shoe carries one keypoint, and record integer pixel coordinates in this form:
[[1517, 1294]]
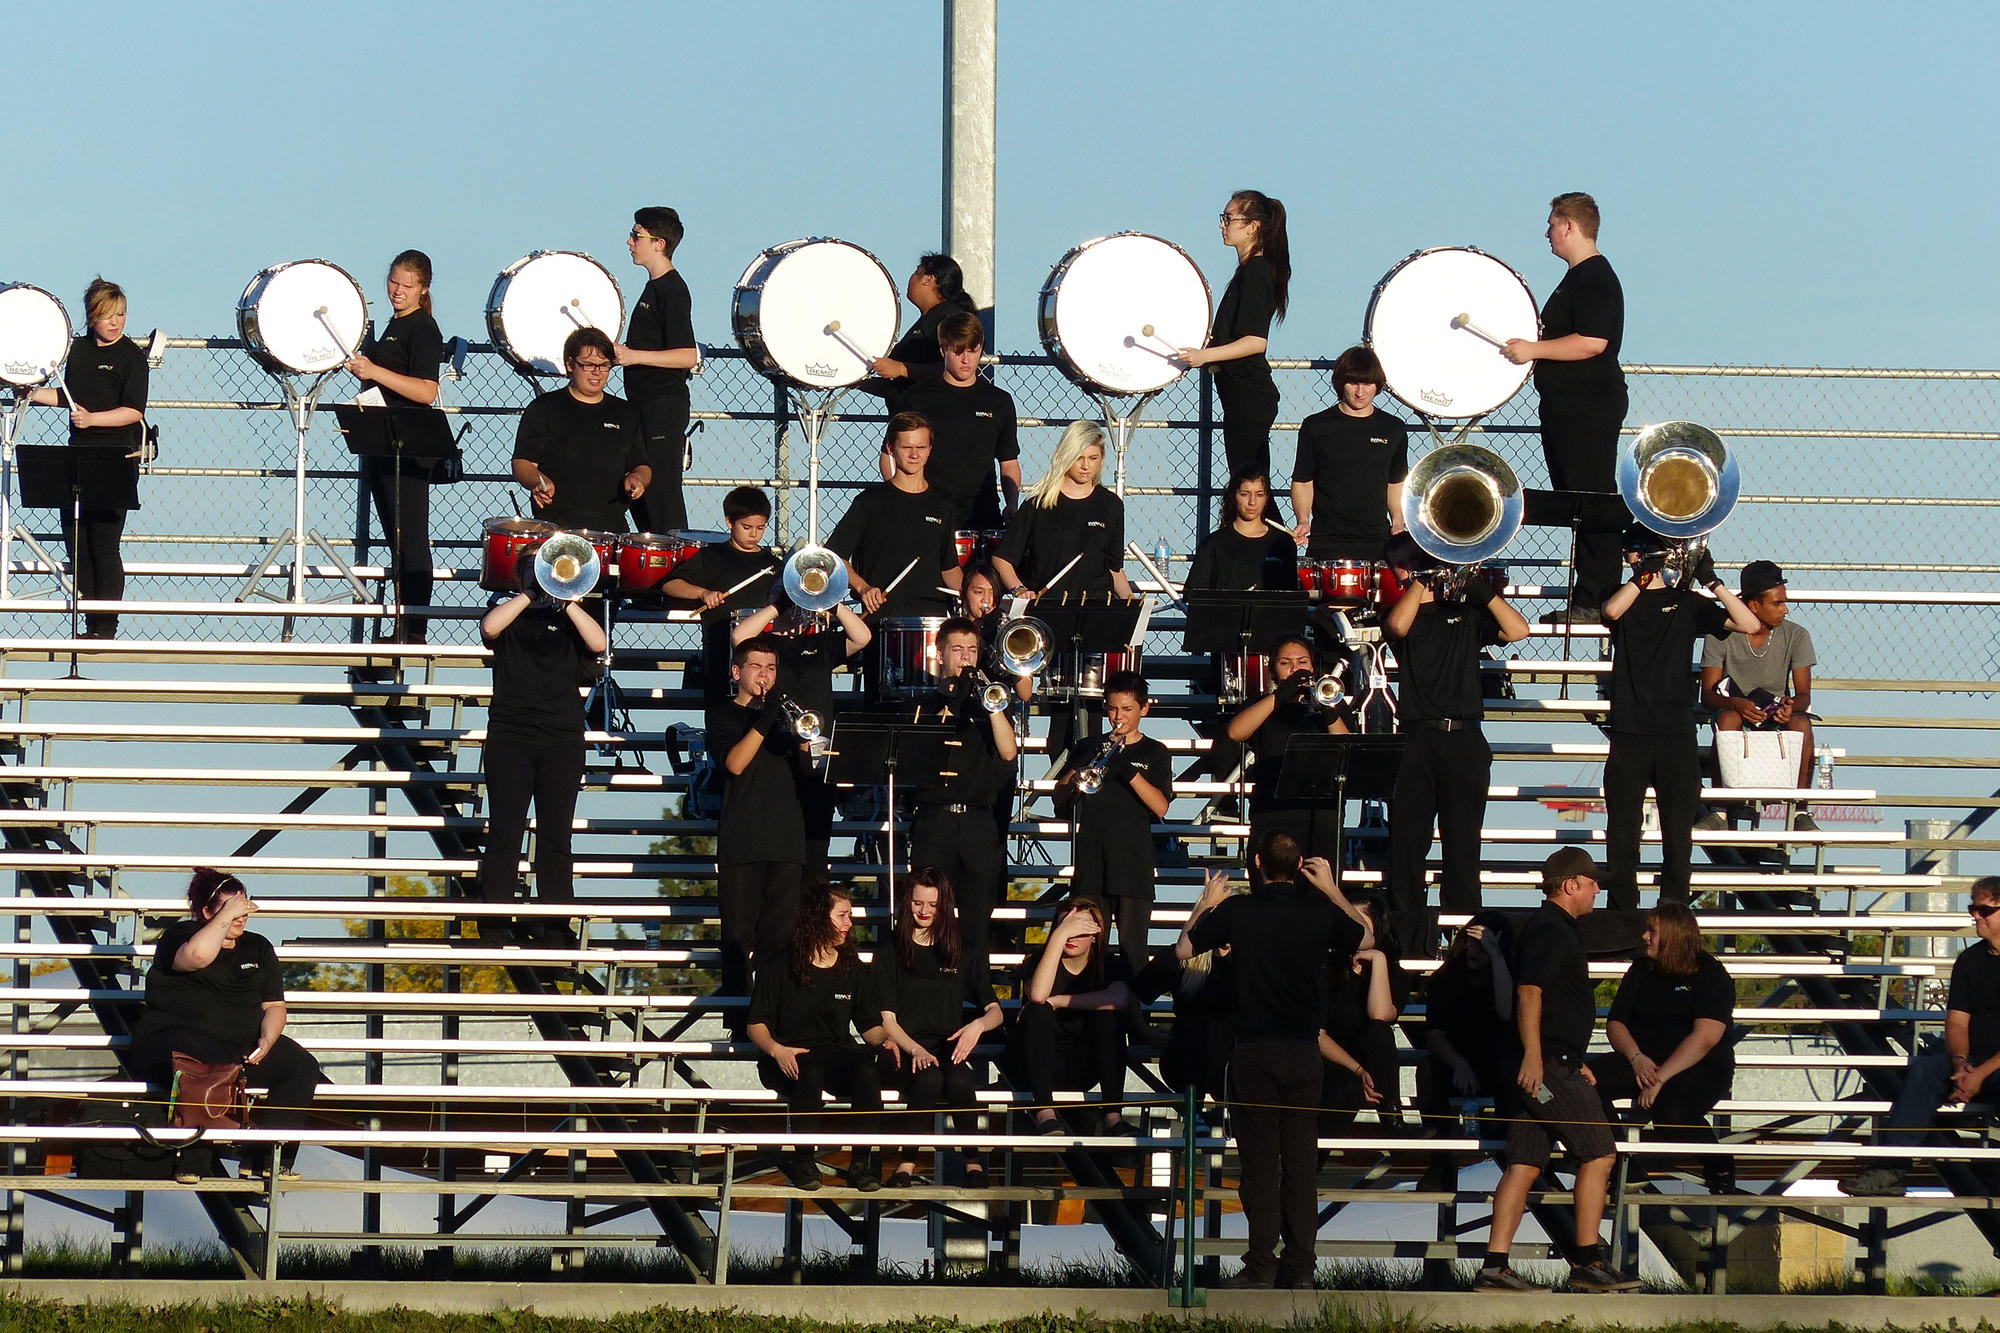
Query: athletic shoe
[[1244, 1280], [1597, 1277], [1501, 1279], [1877, 1182], [802, 1173], [1712, 821]]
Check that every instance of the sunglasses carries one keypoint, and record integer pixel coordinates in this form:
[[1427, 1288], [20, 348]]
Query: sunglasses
[[1984, 910]]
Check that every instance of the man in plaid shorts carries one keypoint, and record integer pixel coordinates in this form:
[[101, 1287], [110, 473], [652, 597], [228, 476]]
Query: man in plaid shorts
[[1556, 1009]]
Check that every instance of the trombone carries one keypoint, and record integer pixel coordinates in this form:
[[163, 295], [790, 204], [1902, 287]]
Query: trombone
[[1679, 479]]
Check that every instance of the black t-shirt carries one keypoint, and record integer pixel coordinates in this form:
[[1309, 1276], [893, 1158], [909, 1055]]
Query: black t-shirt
[[1281, 936], [973, 773], [224, 1000], [1044, 538], [1652, 647], [884, 529], [720, 566], [1661, 1010], [928, 1002], [972, 429], [1111, 968], [1550, 955], [1227, 561], [1439, 661], [1248, 305], [662, 321], [806, 663], [762, 819], [409, 345], [103, 378], [838, 1002], [586, 449], [1346, 992], [1267, 751], [1352, 462], [1975, 990], [539, 666], [1458, 1003], [1115, 828], [1590, 301]]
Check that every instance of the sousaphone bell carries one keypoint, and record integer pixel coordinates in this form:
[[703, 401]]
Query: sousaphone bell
[[1462, 505], [1022, 646], [1679, 480], [815, 579], [566, 566]]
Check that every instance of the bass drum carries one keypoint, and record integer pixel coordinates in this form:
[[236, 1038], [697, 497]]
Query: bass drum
[[302, 318], [542, 298], [1116, 309], [815, 312], [1437, 321], [34, 336]]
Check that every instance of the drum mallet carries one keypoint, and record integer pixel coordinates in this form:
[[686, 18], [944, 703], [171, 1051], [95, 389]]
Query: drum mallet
[[327, 324], [1464, 321], [573, 310], [1060, 575], [833, 332], [1172, 353]]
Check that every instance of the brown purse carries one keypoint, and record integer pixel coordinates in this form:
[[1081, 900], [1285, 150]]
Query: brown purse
[[207, 1096]]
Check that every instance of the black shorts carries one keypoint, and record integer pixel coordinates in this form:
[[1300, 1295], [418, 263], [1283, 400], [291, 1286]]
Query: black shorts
[[1573, 1115]]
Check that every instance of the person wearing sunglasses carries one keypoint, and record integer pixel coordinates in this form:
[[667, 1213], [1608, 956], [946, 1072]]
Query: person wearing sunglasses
[[580, 451], [658, 354], [1253, 225], [1959, 1068]]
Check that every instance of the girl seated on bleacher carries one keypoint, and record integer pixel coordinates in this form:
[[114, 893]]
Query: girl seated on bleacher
[[1070, 1035], [924, 983], [804, 1014]]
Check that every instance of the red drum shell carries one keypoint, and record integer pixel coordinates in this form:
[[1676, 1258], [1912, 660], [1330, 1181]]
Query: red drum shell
[[1348, 582], [906, 656], [647, 559], [506, 540], [606, 546], [1245, 676], [1389, 588]]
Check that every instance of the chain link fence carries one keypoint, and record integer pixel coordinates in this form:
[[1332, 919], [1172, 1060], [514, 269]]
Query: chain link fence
[[1868, 481]]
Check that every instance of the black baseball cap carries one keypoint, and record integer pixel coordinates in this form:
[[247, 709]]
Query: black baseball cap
[[1401, 549], [1566, 863], [1760, 576], [1638, 537]]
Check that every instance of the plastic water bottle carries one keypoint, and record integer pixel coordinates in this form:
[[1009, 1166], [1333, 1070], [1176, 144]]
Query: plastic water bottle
[[1163, 558], [1823, 771]]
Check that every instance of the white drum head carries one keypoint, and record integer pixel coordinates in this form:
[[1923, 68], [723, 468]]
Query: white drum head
[[1116, 309], [34, 335], [305, 317], [542, 298], [1435, 368], [817, 312]]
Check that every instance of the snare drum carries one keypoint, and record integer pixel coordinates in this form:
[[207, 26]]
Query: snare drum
[[1245, 676], [906, 656], [34, 336], [1347, 582], [816, 312], [976, 545], [1436, 362], [302, 318], [507, 540], [1082, 675], [542, 298], [1116, 309], [647, 559]]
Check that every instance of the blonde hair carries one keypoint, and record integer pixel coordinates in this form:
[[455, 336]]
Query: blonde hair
[[1081, 435], [99, 297]]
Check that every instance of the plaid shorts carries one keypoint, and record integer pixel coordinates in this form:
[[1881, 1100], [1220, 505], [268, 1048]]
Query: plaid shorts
[[1573, 1115]]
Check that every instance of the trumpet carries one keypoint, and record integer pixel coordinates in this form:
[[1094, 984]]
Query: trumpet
[[1327, 693], [1461, 505], [1679, 479], [993, 696], [1090, 778], [805, 723]]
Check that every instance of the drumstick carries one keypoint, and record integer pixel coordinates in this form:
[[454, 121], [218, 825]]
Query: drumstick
[[765, 572], [574, 317], [1059, 576], [900, 577], [327, 324], [833, 331], [1464, 321]]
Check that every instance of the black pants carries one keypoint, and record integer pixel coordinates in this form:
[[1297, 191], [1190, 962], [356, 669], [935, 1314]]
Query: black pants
[[944, 1085], [1671, 766], [1069, 1050], [1340, 1094], [1495, 1071], [405, 515], [516, 774], [285, 1079], [1680, 1113], [94, 556], [1134, 918], [1443, 779], [966, 846], [663, 422], [1247, 414], [848, 1072], [759, 906], [1581, 450], [1276, 1087], [820, 804]]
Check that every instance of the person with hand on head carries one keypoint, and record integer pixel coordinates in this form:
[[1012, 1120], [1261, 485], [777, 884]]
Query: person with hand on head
[[897, 536], [1469, 1035], [544, 654], [1365, 990], [658, 354], [926, 986], [806, 1013], [1654, 625], [105, 378], [936, 287], [579, 450], [1960, 1068], [1259, 292], [1070, 1033], [1762, 680], [1204, 990], [1353, 458], [402, 363], [216, 993], [1555, 1009]]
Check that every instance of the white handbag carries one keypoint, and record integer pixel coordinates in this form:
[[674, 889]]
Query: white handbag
[[1759, 758]]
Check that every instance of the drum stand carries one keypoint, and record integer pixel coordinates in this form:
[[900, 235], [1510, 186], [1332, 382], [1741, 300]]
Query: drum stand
[[10, 531], [607, 701], [815, 410], [298, 536], [1120, 425]]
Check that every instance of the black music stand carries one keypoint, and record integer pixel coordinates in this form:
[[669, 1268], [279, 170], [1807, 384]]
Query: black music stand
[[1580, 512], [864, 749], [1246, 622], [1320, 766], [1090, 622], [398, 434], [55, 476]]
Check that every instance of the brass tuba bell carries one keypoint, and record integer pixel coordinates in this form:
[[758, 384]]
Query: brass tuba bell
[[1678, 479], [815, 579], [566, 566], [1462, 504]]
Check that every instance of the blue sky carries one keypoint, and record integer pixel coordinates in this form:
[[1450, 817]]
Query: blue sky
[[1791, 183]]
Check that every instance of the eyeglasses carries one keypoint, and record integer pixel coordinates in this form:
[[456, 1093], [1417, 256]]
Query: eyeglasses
[[636, 235], [1984, 910], [604, 366], [1228, 218]]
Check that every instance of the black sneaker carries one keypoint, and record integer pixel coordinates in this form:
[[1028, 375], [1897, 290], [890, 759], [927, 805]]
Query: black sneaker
[[1500, 1279], [1245, 1280], [1597, 1277], [802, 1173]]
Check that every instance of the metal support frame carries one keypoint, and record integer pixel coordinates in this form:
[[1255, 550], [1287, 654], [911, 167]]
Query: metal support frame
[[814, 409], [301, 405], [10, 531], [1119, 423]]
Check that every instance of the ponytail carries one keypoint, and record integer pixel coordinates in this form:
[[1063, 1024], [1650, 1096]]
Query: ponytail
[[1272, 242], [418, 263], [950, 279]]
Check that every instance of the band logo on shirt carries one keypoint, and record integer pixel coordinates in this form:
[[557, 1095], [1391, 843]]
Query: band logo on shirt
[[987, 415], [1095, 523]]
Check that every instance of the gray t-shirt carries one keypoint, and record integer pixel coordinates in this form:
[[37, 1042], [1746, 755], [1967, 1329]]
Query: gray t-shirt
[[1788, 648]]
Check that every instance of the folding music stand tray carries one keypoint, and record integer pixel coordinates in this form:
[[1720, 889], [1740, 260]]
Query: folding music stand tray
[[864, 749], [1580, 512], [1246, 622], [1089, 622], [1320, 766], [397, 433], [55, 476]]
